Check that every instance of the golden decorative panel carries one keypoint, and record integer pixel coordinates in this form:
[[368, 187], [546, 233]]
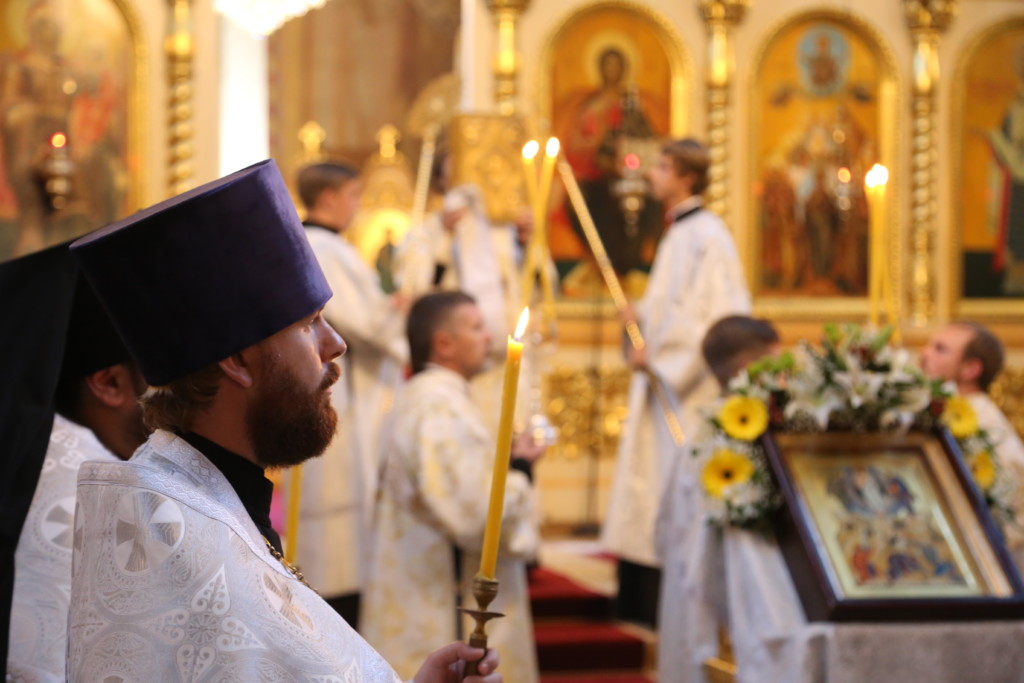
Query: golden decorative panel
[[72, 86], [823, 110], [1008, 393], [987, 261], [487, 150], [588, 406]]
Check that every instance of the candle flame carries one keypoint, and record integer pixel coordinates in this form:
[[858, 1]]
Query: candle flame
[[877, 176], [530, 149], [552, 148], [58, 140], [524, 319]]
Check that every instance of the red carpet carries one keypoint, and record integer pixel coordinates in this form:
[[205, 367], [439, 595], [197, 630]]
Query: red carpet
[[575, 639], [583, 678], [554, 595], [586, 646]]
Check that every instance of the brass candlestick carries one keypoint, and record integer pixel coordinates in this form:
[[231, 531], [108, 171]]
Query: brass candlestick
[[179, 50], [927, 20], [484, 592]]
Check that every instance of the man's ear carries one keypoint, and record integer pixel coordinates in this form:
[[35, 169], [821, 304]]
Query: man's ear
[[689, 179], [440, 345], [238, 368], [970, 370], [112, 386]]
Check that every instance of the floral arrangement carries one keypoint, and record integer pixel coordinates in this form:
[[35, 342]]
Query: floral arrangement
[[855, 382]]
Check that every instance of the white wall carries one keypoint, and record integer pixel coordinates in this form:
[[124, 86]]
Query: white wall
[[244, 118]]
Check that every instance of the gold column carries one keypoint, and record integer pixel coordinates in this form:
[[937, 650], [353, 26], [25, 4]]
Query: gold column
[[926, 19], [506, 61], [179, 51], [720, 16]]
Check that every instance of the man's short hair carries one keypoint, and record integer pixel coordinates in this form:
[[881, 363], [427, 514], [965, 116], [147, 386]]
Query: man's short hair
[[174, 407], [729, 339], [689, 155], [316, 178], [427, 315], [986, 348]]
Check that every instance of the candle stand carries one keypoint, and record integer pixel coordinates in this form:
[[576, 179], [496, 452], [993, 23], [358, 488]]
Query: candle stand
[[484, 592]]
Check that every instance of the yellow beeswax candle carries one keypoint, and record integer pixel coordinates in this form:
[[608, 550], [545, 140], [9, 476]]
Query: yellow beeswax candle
[[492, 529], [874, 183], [292, 525], [547, 173], [530, 150]]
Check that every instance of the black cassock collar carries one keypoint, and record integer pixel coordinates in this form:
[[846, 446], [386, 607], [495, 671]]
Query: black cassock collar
[[246, 478]]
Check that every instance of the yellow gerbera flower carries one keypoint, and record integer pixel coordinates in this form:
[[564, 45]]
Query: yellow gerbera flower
[[743, 417], [960, 417], [725, 468], [983, 467]]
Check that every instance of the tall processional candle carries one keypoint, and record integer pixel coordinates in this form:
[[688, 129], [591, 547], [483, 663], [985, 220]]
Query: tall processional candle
[[292, 525], [503, 453], [547, 173], [530, 150], [874, 184]]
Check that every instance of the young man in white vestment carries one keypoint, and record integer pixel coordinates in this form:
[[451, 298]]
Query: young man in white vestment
[[459, 248], [339, 488], [689, 613], [696, 278], [97, 417], [177, 571], [970, 355], [433, 502]]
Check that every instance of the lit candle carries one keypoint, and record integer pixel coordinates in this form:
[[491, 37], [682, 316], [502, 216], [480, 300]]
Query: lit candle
[[530, 150], [547, 172], [492, 530], [874, 184], [292, 525]]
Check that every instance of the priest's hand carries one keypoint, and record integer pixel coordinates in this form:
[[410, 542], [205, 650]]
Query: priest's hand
[[401, 303], [525, 447], [627, 314], [636, 358], [451, 217], [524, 226], [447, 664]]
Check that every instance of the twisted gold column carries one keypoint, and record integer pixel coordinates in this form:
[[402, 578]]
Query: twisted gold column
[[179, 51], [926, 20], [506, 60], [720, 16]]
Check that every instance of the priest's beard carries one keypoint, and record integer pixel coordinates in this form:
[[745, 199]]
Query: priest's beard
[[287, 422]]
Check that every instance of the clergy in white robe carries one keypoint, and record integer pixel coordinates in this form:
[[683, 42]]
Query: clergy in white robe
[[459, 248], [970, 355], [97, 418], [691, 606], [42, 578], [176, 583], [340, 487], [177, 572], [696, 279], [434, 495], [1010, 452]]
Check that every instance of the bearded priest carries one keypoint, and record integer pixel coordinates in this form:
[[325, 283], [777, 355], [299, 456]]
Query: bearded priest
[[177, 572]]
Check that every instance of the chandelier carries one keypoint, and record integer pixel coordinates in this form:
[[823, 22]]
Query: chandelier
[[263, 17]]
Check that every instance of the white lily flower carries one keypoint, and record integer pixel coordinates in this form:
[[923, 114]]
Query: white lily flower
[[861, 386]]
